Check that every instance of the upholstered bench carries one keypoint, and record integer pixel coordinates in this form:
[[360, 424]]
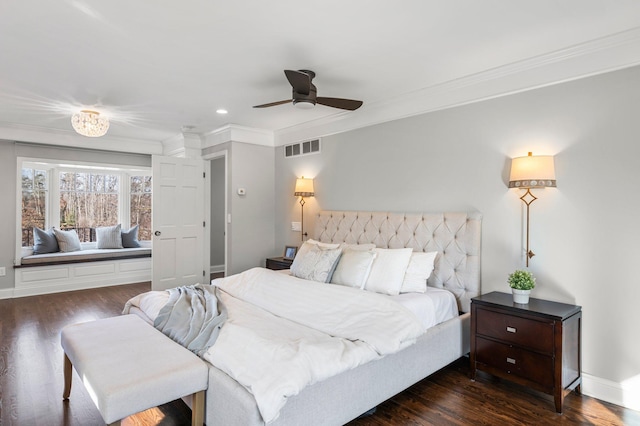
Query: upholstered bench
[[127, 366]]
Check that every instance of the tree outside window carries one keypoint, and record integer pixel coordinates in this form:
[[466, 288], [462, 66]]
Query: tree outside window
[[141, 205], [34, 202], [88, 200]]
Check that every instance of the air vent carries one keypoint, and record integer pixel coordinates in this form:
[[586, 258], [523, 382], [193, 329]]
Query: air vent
[[302, 148]]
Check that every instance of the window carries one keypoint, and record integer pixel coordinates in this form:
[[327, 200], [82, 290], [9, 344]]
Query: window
[[34, 202], [84, 197], [140, 205], [88, 200]]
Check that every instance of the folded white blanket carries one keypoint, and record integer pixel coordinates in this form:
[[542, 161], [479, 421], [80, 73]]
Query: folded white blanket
[[284, 333]]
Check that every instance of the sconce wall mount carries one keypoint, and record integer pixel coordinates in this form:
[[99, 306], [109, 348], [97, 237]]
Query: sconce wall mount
[[532, 172]]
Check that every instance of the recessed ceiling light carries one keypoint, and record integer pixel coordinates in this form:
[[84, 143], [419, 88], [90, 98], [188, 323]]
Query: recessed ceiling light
[[222, 111]]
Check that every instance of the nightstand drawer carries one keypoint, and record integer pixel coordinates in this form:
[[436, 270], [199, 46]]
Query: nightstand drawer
[[511, 360], [537, 335]]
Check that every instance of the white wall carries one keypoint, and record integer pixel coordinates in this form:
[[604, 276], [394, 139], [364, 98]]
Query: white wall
[[585, 233]]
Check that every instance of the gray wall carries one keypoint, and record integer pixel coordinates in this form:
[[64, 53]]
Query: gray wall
[[9, 152], [585, 233], [8, 219], [217, 211], [251, 231]]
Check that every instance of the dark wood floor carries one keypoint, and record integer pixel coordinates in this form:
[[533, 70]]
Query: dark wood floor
[[31, 379]]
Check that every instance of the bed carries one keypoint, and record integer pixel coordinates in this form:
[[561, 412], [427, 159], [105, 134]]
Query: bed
[[339, 398]]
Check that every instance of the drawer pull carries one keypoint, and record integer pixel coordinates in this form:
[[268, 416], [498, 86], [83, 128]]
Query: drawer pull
[[511, 360], [511, 329]]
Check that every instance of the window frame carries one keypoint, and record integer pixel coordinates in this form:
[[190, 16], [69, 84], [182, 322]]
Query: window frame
[[53, 168]]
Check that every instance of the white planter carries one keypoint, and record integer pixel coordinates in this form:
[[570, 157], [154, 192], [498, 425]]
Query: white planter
[[521, 296]]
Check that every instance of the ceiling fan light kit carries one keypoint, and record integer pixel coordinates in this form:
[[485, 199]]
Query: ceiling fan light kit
[[304, 104], [304, 94]]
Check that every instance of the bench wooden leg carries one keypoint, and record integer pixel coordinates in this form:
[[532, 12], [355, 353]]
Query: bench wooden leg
[[197, 409], [68, 373]]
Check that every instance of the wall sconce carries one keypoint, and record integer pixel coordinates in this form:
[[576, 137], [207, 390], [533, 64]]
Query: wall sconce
[[304, 188], [532, 172]]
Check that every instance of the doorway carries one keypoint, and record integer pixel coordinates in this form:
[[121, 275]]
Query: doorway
[[218, 214]]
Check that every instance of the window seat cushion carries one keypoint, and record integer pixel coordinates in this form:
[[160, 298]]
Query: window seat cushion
[[85, 255]]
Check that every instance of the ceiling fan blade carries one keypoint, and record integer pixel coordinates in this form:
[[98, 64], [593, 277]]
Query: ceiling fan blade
[[300, 81], [272, 104], [348, 104]]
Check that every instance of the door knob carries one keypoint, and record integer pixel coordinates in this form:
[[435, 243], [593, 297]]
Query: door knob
[[157, 233]]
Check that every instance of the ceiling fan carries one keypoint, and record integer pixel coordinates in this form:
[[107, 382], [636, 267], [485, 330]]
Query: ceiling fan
[[304, 93]]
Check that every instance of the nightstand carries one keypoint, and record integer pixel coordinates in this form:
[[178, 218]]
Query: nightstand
[[277, 263], [536, 345]]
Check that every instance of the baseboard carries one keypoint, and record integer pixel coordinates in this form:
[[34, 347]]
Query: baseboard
[[6, 293], [214, 269], [624, 394]]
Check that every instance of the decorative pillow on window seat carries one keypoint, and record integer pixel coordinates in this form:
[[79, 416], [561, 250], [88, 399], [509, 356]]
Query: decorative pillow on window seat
[[44, 241], [67, 240], [130, 238], [109, 237]]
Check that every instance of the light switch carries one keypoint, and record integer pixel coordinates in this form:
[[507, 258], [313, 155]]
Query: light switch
[[3, 272], [296, 226]]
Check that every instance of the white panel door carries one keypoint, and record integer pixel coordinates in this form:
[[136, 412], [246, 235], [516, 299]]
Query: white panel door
[[178, 222]]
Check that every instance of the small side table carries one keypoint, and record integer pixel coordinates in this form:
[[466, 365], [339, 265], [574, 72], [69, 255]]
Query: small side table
[[278, 263], [536, 345]]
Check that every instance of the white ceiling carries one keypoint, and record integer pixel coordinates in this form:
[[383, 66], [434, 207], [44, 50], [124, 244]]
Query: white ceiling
[[154, 67]]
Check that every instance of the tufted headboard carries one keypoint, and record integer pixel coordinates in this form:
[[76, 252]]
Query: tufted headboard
[[455, 236]]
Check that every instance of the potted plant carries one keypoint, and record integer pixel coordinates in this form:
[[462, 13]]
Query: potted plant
[[521, 283]]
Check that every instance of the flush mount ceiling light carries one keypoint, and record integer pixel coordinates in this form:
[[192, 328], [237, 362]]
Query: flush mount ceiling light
[[89, 123]]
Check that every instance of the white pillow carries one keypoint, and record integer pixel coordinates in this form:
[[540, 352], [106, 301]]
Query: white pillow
[[418, 271], [316, 264], [67, 240], [307, 245], [387, 271], [364, 247], [323, 245], [109, 237], [353, 268]]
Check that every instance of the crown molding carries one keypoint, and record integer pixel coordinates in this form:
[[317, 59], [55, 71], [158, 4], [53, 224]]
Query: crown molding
[[599, 56], [236, 133], [48, 136]]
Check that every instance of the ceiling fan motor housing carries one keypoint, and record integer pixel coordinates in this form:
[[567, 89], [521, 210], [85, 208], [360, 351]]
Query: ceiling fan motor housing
[[305, 101]]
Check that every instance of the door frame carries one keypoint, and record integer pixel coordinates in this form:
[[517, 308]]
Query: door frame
[[207, 200]]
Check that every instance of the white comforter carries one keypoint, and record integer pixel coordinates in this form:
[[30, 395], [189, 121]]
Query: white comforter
[[283, 333]]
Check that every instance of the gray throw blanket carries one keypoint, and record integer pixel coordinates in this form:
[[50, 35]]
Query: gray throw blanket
[[191, 317]]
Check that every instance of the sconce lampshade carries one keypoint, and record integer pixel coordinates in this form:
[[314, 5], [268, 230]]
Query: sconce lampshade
[[532, 172], [304, 187]]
